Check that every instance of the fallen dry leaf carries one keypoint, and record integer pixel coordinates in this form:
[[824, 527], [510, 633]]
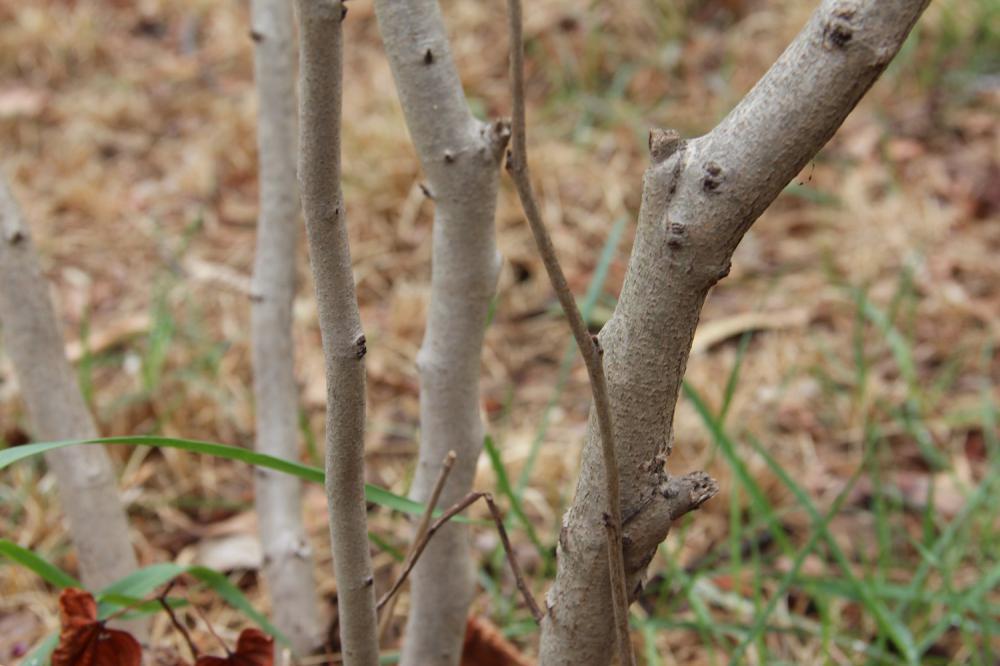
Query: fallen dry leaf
[[486, 646], [712, 333], [85, 641], [253, 648]]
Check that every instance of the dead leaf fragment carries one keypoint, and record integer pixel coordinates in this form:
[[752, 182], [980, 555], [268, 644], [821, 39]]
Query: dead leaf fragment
[[486, 646], [85, 641], [714, 332], [253, 648]]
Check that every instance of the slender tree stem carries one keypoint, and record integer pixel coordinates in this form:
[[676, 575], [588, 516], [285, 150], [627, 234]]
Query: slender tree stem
[[56, 409], [321, 71], [517, 166], [288, 561], [460, 156]]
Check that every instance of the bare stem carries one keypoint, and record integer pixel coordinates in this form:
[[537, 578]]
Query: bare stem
[[32, 338], [288, 561], [174, 621], [515, 568], [425, 523], [419, 546], [321, 72], [517, 167], [460, 156]]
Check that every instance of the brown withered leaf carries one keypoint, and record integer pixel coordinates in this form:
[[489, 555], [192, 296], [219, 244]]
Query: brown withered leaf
[[85, 641], [253, 648], [486, 646]]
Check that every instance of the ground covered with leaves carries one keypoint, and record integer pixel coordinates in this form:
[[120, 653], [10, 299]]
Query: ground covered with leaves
[[844, 383]]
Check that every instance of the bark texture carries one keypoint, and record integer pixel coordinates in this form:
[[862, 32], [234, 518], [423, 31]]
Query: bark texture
[[699, 199], [321, 71], [461, 156], [56, 410], [288, 562]]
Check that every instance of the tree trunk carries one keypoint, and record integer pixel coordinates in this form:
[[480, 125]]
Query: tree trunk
[[321, 72], [56, 409], [461, 157], [699, 199], [288, 562]]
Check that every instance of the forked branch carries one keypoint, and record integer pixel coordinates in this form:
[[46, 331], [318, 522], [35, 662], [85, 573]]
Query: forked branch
[[454, 510], [699, 198]]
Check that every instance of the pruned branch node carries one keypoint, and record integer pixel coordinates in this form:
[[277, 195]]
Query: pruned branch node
[[839, 28], [663, 143]]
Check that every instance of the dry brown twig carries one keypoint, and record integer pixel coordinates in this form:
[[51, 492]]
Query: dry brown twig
[[425, 523], [418, 548], [174, 621], [517, 167]]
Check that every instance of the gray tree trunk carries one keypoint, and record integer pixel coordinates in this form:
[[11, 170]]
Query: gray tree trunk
[[56, 409]]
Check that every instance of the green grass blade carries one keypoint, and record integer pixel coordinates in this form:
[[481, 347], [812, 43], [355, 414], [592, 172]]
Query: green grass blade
[[649, 644], [373, 494], [910, 416], [734, 376], [143, 581], [963, 600], [760, 624], [927, 563], [386, 547], [725, 444], [138, 607], [594, 290], [503, 485], [231, 594], [47, 571], [898, 344], [130, 589], [887, 622]]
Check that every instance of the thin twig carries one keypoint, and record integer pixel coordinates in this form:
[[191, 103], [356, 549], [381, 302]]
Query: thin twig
[[517, 166], [211, 630], [418, 546], [425, 523], [458, 507], [177, 623], [522, 585]]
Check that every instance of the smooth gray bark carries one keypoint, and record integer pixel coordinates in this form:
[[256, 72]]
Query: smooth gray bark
[[699, 199], [461, 157], [321, 89], [288, 562], [56, 409]]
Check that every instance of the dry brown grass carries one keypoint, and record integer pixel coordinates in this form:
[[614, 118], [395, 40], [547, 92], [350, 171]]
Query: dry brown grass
[[128, 132]]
